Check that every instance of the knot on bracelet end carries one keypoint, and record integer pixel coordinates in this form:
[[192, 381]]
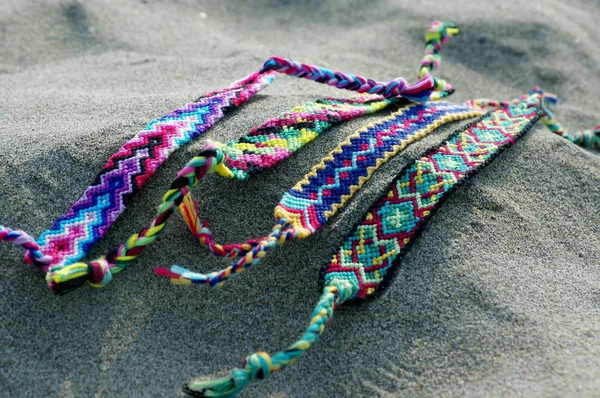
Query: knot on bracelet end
[[63, 279]]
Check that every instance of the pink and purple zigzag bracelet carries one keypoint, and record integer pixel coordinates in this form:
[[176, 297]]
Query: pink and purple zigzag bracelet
[[73, 234]]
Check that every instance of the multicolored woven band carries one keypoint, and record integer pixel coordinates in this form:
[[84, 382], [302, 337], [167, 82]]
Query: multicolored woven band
[[276, 139], [368, 254], [73, 234], [370, 251], [326, 188]]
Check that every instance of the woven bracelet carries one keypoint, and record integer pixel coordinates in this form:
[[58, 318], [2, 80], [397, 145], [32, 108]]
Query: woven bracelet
[[377, 243]]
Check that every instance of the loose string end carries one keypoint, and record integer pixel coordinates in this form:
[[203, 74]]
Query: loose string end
[[34, 253], [183, 276], [62, 279], [260, 365], [189, 211]]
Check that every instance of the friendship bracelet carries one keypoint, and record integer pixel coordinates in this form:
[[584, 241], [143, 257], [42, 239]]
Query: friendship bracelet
[[377, 243], [73, 234], [88, 220], [276, 139], [327, 187]]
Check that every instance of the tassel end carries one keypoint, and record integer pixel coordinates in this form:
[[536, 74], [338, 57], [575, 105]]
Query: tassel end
[[189, 211]]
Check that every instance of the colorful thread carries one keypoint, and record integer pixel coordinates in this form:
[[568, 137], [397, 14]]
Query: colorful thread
[[74, 234], [589, 139], [375, 245], [327, 187]]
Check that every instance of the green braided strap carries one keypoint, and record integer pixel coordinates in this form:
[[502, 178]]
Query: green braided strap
[[260, 365]]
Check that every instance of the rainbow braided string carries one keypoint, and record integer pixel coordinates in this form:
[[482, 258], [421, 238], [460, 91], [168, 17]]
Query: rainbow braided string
[[327, 187], [437, 34], [376, 244]]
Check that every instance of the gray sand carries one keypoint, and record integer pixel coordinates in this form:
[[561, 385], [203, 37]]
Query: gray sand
[[498, 297]]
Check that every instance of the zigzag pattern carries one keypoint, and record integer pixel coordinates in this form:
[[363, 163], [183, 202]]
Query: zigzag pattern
[[334, 181], [276, 139], [73, 234], [371, 250]]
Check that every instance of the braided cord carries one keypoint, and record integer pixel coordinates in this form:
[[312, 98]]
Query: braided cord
[[585, 138], [419, 91], [260, 365], [437, 34], [428, 88], [21, 238], [247, 255], [99, 272]]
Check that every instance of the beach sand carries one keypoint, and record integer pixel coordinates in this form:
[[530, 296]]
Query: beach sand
[[500, 295]]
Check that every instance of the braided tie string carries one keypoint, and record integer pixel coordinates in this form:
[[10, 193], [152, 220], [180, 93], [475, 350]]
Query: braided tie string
[[418, 92], [21, 238], [427, 88], [437, 34], [247, 255], [589, 139], [260, 365], [99, 272], [205, 237]]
